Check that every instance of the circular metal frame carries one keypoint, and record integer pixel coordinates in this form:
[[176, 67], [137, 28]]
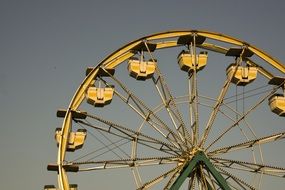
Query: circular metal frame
[[162, 40]]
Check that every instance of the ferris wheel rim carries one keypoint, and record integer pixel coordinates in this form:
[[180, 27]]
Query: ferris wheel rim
[[107, 62]]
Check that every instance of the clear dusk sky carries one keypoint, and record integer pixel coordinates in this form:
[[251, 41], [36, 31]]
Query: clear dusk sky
[[46, 45]]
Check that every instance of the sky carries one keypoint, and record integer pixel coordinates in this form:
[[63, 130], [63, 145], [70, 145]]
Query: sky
[[46, 45]]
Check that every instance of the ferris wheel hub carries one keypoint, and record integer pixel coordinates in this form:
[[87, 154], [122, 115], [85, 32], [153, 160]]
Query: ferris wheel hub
[[194, 151]]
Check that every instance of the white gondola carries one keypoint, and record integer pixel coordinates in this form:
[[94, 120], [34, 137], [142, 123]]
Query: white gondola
[[187, 62], [243, 75], [75, 139], [99, 97], [140, 69]]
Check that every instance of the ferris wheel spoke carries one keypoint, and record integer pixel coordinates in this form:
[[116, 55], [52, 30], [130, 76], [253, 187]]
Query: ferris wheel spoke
[[241, 183], [159, 108], [246, 136], [216, 186], [231, 119], [193, 93], [141, 139], [218, 104], [121, 135], [210, 183], [213, 182], [157, 179], [203, 179], [106, 138], [145, 112], [250, 110], [251, 167], [247, 125], [137, 176], [101, 151], [147, 143], [131, 133], [169, 103], [191, 183], [244, 119], [124, 163], [173, 177], [248, 144], [245, 97], [155, 123]]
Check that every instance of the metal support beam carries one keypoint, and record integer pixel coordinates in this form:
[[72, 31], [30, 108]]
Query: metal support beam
[[198, 159]]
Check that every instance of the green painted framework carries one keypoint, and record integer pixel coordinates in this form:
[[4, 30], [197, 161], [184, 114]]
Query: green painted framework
[[197, 160]]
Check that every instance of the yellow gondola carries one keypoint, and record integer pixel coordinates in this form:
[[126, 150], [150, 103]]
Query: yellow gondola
[[277, 101], [277, 104], [141, 70], [243, 75], [75, 139], [99, 97], [186, 61]]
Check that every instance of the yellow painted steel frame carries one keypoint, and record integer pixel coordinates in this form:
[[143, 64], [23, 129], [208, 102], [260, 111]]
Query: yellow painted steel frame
[[126, 52]]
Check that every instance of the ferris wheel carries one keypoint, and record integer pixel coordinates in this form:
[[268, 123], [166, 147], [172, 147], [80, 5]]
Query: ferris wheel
[[175, 110]]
